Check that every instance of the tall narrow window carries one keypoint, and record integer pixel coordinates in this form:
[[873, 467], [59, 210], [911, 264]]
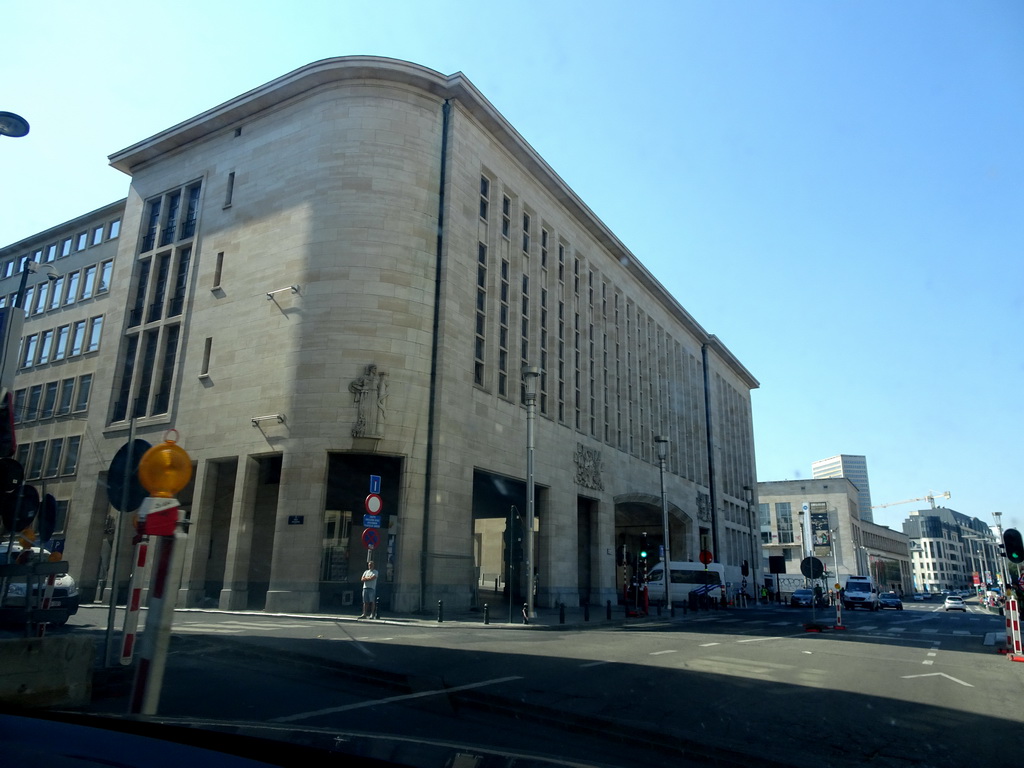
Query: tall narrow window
[[77, 337], [71, 455], [163, 392], [230, 193], [526, 233], [170, 228], [188, 227], [35, 463], [207, 348], [88, 281], [60, 348], [67, 393], [141, 282], [49, 400], [95, 331], [481, 314], [35, 396], [218, 270], [106, 268], [485, 196], [146, 373], [152, 225], [72, 293], [506, 216], [177, 299], [115, 228], [84, 389], [127, 373], [28, 355], [42, 298], [53, 458], [45, 346], [156, 307], [55, 292]]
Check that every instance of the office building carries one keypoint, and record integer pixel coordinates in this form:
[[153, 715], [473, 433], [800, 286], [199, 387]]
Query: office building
[[855, 468], [329, 287]]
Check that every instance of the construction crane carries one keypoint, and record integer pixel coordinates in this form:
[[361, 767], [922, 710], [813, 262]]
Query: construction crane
[[930, 498]]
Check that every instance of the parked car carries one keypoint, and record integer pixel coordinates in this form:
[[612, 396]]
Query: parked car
[[802, 597], [955, 603], [890, 600], [65, 591]]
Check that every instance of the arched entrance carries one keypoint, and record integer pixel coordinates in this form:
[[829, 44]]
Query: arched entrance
[[638, 514]]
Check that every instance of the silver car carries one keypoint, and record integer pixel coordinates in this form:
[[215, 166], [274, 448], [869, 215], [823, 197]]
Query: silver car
[[955, 603]]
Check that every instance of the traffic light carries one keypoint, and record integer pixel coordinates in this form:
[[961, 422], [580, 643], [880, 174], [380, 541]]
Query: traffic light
[[1014, 545], [643, 548], [745, 569]]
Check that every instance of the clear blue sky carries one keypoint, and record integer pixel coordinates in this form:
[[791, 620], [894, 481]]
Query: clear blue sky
[[835, 189]]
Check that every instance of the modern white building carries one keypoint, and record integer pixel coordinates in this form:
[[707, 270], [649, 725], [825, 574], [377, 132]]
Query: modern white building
[[329, 287], [951, 550], [854, 468]]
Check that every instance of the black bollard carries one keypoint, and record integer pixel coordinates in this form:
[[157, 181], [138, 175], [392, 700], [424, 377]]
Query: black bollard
[[376, 608], [586, 611], [609, 610], [440, 610], [487, 614], [561, 613]]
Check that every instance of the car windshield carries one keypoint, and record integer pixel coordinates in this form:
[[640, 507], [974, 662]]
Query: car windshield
[[369, 366]]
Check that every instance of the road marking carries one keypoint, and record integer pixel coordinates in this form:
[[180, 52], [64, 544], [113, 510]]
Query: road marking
[[927, 662], [708, 645], [939, 674], [208, 629], [594, 664], [929, 631], [758, 639], [660, 653], [961, 632], [391, 699], [896, 629]]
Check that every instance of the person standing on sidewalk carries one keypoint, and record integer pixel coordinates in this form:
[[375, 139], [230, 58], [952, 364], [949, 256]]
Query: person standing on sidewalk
[[369, 590]]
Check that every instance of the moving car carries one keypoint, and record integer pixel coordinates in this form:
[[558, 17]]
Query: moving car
[[890, 600], [802, 597], [955, 603]]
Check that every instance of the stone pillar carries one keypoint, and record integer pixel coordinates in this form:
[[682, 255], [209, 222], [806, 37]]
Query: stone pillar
[[235, 594], [193, 575], [298, 534]]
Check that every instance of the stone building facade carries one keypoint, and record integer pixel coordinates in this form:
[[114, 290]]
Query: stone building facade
[[329, 286], [839, 538]]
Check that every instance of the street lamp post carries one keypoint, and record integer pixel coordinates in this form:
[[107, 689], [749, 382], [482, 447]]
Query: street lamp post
[[1000, 564], [530, 376], [662, 443]]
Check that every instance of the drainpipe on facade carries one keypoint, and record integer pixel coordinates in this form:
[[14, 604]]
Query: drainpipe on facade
[[712, 485], [434, 346]]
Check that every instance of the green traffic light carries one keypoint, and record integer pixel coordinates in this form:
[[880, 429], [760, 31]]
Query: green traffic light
[[643, 553]]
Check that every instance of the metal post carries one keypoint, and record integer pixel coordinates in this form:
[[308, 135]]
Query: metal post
[[662, 444], [755, 555], [530, 375], [487, 614]]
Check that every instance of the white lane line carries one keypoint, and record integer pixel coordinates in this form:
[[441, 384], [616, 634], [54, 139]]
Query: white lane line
[[896, 629], [929, 631], [594, 664], [759, 639], [927, 661], [660, 653], [391, 699], [961, 632], [708, 645]]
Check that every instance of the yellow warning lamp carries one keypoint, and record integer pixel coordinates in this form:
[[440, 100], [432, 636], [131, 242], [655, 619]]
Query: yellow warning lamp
[[165, 468]]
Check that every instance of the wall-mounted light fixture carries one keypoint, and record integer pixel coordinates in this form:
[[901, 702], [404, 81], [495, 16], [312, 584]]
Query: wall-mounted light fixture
[[278, 417], [292, 288]]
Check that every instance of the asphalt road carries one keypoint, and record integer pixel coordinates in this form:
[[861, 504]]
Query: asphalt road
[[918, 687]]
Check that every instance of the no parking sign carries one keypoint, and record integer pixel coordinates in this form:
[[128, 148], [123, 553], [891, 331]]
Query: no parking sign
[[371, 538]]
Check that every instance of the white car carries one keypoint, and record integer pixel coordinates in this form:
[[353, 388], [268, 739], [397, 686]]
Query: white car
[[955, 603], [65, 590]]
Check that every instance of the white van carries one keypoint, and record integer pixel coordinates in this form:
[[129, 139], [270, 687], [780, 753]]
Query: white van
[[860, 592], [687, 577]]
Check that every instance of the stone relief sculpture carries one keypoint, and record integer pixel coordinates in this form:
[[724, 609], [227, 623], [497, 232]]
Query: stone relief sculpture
[[371, 396], [703, 507], [588, 468]]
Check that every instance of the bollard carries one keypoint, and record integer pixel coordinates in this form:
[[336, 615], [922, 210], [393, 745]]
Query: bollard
[[586, 611], [526, 614], [440, 610], [376, 608], [609, 610], [487, 614], [561, 613]]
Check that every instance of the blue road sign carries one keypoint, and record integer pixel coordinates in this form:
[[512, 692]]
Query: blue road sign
[[374, 483], [371, 521]]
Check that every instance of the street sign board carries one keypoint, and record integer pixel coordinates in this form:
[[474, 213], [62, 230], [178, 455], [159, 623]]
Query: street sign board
[[705, 557], [371, 521], [373, 504], [812, 567], [374, 483], [371, 538]]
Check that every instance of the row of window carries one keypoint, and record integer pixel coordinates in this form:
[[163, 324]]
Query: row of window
[[65, 341], [50, 458], [63, 248], [54, 398], [66, 290]]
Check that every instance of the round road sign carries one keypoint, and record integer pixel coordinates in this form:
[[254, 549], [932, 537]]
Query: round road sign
[[371, 538], [373, 504], [705, 557]]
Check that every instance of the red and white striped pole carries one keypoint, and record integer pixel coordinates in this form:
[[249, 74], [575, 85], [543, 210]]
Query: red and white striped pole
[[131, 615], [1013, 639], [163, 471]]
